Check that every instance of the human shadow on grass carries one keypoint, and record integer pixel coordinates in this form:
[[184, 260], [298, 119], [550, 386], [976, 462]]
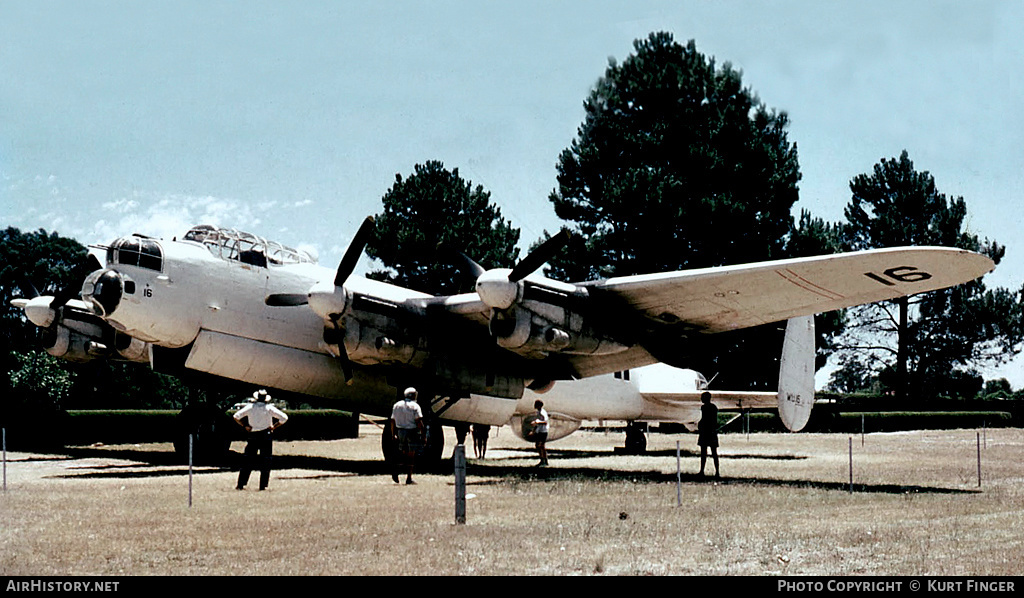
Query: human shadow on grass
[[496, 470], [167, 464]]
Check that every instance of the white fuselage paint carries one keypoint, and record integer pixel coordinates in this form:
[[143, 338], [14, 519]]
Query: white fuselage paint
[[216, 307], [656, 392]]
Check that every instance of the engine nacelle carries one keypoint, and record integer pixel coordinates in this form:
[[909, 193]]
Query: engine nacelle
[[370, 343], [524, 331], [559, 426], [74, 346], [131, 348]]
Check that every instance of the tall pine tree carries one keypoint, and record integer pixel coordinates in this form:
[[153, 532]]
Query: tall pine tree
[[676, 166], [934, 343], [426, 216]]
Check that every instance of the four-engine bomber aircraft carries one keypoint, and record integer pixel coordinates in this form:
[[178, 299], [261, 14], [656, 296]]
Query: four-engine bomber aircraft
[[241, 307]]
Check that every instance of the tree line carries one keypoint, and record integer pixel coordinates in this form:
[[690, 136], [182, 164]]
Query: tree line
[[676, 165]]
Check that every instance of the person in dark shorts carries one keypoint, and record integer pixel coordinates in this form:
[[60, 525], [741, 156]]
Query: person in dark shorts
[[707, 431], [406, 428], [540, 432]]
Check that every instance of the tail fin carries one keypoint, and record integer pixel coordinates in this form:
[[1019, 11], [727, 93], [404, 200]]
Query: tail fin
[[796, 373]]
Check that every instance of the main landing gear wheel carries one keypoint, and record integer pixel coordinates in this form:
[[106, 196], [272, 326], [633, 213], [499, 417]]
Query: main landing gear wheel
[[636, 438], [209, 428], [428, 458]]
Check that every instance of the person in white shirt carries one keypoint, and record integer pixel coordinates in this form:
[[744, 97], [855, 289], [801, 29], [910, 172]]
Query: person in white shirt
[[406, 429], [259, 419]]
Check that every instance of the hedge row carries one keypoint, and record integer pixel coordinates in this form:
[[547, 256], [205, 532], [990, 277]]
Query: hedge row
[[828, 421], [77, 428]]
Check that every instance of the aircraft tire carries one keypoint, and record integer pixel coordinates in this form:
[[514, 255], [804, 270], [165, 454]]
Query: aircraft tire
[[636, 438], [428, 459], [209, 427], [388, 446]]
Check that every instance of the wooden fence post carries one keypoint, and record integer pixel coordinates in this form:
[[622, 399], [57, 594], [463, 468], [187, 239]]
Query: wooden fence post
[[460, 483]]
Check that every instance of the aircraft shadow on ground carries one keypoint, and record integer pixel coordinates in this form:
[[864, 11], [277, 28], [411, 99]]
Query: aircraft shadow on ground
[[496, 471], [171, 465]]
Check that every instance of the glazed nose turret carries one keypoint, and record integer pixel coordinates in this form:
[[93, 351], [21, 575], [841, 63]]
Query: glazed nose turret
[[102, 290]]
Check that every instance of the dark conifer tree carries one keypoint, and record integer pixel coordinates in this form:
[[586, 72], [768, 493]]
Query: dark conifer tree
[[677, 165], [933, 344], [425, 217]]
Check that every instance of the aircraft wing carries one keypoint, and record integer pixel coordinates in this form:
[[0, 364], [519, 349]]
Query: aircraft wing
[[715, 300]]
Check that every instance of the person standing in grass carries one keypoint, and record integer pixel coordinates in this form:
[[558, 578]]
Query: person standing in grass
[[480, 434], [540, 432], [461, 431], [259, 419], [406, 429], [707, 431]]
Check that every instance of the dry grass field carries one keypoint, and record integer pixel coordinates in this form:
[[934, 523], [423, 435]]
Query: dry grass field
[[782, 507]]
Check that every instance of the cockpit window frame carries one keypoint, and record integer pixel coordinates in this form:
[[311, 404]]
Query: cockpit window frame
[[136, 251], [235, 245]]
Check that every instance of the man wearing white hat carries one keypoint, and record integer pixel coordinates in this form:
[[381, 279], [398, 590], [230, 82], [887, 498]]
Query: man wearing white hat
[[259, 419], [406, 428]]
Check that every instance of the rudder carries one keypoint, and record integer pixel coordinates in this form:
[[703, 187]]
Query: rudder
[[796, 373]]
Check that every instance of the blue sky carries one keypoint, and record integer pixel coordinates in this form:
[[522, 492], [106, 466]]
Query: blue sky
[[292, 119]]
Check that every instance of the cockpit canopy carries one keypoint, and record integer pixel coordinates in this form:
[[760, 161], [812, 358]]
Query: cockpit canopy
[[231, 244], [136, 251]]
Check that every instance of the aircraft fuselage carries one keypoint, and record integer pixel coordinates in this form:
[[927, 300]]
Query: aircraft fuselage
[[189, 299]]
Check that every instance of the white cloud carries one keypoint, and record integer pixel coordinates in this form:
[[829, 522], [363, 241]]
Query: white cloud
[[121, 205], [169, 215]]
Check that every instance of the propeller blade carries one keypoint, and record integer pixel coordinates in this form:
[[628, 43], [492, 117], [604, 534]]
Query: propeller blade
[[61, 297], [93, 263], [474, 269], [335, 335], [346, 365], [345, 268], [354, 252], [286, 299], [27, 288], [538, 257]]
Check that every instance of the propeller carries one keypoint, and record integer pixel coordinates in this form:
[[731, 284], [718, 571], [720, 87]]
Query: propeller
[[329, 299], [500, 288], [42, 310], [345, 269], [354, 251], [539, 256], [52, 312], [26, 286], [90, 264]]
